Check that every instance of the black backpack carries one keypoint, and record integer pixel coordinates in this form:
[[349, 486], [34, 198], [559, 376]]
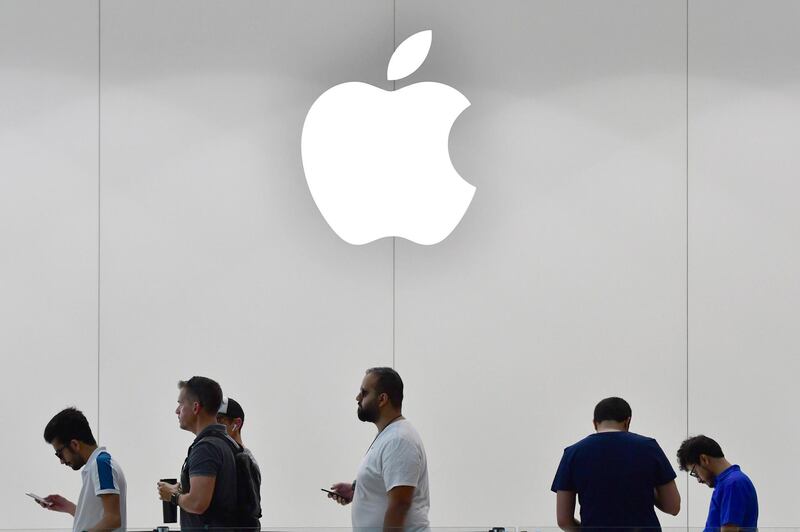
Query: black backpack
[[248, 487]]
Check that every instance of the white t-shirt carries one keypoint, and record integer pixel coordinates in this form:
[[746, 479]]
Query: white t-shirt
[[101, 475], [396, 458]]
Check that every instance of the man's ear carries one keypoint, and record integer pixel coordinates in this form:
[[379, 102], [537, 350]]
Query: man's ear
[[704, 460], [383, 399], [196, 407], [628, 424], [237, 423]]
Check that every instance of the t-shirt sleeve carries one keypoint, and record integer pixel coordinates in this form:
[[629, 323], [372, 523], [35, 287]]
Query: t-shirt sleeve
[[105, 482], [205, 460], [664, 471], [564, 480], [732, 504], [402, 464]]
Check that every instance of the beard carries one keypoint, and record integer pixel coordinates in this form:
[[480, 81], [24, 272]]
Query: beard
[[369, 415], [76, 463]]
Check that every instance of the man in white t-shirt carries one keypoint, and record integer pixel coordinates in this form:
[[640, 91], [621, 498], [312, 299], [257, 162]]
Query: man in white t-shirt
[[101, 504], [391, 486]]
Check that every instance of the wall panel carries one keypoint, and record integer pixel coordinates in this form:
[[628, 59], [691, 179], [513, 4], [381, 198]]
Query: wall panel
[[48, 242], [565, 282], [743, 254], [215, 260]]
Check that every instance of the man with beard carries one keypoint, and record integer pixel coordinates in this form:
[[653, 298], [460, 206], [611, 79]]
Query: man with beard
[[391, 486], [101, 504], [734, 504]]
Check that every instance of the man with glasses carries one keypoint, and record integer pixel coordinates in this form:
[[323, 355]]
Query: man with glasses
[[734, 503], [618, 476], [101, 504]]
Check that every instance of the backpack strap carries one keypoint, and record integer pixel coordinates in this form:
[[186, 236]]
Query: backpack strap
[[235, 447]]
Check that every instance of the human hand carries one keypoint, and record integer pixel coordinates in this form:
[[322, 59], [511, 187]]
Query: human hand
[[57, 503], [344, 493], [165, 490]]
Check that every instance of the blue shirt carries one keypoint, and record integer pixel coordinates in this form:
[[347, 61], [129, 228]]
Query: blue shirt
[[614, 475], [734, 501]]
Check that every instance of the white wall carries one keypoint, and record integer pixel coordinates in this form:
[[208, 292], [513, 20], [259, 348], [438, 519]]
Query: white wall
[[744, 126], [565, 282], [215, 260], [48, 241]]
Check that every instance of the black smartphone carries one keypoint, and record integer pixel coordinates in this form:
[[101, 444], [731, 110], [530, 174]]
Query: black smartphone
[[334, 493]]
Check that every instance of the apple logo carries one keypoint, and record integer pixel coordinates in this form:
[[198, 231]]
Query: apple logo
[[377, 162]]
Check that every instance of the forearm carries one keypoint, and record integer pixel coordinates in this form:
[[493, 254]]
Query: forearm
[[191, 503], [395, 516], [70, 507], [569, 525]]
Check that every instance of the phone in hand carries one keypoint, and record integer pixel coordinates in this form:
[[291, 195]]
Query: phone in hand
[[40, 500], [334, 493]]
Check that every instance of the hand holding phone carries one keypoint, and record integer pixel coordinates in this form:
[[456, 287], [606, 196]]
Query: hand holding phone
[[40, 500], [341, 493]]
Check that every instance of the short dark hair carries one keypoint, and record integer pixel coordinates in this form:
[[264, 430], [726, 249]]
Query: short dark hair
[[69, 424], [691, 449], [612, 409], [390, 383], [205, 391]]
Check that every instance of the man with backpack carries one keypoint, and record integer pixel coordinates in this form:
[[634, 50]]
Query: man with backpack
[[208, 493], [231, 414]]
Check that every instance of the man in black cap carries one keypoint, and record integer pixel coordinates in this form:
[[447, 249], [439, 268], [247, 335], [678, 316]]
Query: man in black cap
[[231, 415]]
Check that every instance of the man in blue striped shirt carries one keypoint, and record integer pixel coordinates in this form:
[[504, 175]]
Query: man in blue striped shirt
[[101, 505]]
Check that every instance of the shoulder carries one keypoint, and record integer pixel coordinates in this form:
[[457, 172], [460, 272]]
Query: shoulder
[[105, 462], [737, 480], [402, 437], [643, 441], [208, 446], [103, 459], [587, 442], [639, 438]]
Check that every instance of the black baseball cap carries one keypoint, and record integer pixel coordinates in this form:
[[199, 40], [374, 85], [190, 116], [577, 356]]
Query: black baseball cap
[[230, 408]]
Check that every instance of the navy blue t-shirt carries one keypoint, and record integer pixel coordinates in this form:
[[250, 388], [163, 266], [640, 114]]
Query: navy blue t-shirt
[[614, 475], [734, 501]]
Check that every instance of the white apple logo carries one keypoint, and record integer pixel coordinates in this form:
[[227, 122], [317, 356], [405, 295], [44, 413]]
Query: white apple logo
[[377, 162]]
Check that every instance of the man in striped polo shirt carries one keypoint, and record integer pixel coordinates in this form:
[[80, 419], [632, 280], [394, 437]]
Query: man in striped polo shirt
[[101, 504]]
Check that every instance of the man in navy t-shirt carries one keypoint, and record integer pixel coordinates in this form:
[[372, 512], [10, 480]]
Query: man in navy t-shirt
[[734, 504], [618, 476]]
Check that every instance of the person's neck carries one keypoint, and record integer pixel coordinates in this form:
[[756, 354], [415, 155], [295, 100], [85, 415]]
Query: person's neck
[[718, 466], [86, 452], [202, 423], [611, 426], [387, 419]]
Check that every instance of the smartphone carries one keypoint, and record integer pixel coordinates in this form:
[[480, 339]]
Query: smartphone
[[334, 493], [40, 500]]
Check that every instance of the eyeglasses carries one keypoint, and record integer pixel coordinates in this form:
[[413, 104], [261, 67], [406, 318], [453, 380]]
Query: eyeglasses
[[59, 452], [693, 473]]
